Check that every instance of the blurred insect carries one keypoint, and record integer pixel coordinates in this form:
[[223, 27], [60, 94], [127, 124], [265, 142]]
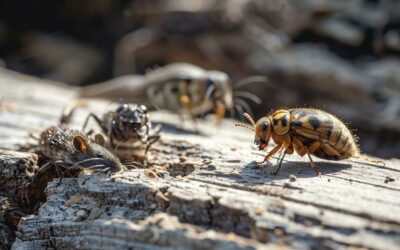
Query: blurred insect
[[306, 131], [71, 150], [127, 127], [178, 87]]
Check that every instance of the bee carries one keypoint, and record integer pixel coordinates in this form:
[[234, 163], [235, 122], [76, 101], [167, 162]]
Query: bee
[[178, 87], [127, 127], [306, 132]]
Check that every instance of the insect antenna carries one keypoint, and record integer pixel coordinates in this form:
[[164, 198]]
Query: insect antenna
[[243, 126], [251, 79], [247, 95], [209, 92], [248, 117], [246, 107], [240, 110]]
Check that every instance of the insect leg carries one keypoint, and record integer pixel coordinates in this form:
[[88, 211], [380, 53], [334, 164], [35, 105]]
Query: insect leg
[[66, 171], [287, 141], [60, 174], [280, 163], [152, 139], [97, 119], [272, 152], [312, 164], [298, 146]]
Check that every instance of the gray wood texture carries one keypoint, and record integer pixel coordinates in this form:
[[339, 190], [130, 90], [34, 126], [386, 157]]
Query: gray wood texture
[[200, 190]]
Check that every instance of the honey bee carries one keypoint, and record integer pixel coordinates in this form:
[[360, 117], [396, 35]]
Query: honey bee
[[304, 131]]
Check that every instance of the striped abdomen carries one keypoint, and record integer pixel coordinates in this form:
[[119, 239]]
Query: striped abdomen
[[310, 125]]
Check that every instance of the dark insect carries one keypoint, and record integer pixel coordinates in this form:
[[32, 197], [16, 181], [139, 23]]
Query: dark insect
[[70, 149], [127, 127]]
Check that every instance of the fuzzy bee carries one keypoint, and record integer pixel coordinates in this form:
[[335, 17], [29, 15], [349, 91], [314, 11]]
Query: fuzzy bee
[[127, 127], [304, 131], [178, 87]]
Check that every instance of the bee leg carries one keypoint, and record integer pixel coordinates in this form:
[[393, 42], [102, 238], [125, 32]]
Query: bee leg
[[312, 164], [280, 163], [287, 151], [272, 152], [299, 146], [310, 150]]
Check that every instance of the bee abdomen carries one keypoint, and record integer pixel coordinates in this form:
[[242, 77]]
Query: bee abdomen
[[343, 141], [337, 142]]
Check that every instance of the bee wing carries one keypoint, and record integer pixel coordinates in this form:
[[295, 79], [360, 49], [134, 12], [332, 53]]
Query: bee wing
[[313, 124]]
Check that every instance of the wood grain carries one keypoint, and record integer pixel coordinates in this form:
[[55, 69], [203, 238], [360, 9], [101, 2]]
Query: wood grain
[[200, 190]]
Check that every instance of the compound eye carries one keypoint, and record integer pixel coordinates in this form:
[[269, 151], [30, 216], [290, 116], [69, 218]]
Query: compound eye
[[264, 127]]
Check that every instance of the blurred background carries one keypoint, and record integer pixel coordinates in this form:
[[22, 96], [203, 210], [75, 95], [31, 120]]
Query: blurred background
[[338, 55]]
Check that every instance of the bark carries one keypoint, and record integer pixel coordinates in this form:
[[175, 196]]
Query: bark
[[200, 190]]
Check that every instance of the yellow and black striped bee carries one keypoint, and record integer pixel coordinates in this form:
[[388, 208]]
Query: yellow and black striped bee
[[306, 131], [178, 87]]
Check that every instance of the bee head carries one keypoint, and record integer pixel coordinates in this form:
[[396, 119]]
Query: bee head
[[262, 130], [262, 133], [130, 120]]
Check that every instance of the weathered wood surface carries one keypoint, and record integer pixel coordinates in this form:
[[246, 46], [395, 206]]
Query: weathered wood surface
[[208, 181]]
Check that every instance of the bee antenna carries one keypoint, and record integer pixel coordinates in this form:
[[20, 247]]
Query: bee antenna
[[244, 126], [248, 117]]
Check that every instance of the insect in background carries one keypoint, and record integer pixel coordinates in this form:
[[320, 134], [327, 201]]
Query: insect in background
[[70, 149], [304, 131], [127, 127], [178, 87]]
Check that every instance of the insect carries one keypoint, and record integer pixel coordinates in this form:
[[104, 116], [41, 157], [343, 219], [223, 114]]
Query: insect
[[71, 149], [127, 126], [304, 131], [178, 87]]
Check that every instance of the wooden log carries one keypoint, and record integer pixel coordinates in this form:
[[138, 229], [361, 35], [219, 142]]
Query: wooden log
[[16, 171], [220, 198]]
